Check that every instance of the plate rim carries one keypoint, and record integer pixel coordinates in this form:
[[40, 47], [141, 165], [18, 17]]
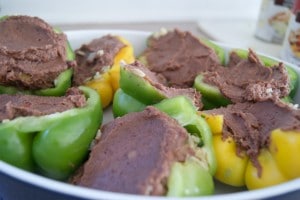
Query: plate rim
[[82, 192]]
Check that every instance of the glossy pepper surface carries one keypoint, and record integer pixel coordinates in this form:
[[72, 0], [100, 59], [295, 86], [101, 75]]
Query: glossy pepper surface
[[137, 91], [194, 176], [183, 110], [53, 145], [107, 83], [275, 160]]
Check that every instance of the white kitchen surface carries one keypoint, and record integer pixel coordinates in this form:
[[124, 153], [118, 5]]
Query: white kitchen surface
[[238, 32]]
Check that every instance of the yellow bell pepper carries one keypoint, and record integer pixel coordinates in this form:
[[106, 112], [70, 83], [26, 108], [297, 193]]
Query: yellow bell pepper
[[107, 82], [279, 161]]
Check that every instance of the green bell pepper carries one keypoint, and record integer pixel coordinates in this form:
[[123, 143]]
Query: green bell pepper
[[214, 97], [268, 62], [53, 145], [183, 110], [194, 177], [221, 53], [132, 82], [61, 83], [137, 91], [211, 93], [189, 179], [124, 103]]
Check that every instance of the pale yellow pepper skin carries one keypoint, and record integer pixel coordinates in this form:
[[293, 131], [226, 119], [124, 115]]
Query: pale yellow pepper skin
[[126, 54], [230, 167], [107, 82], [271, 175], [102, 85], [285, 149], [280, 161]]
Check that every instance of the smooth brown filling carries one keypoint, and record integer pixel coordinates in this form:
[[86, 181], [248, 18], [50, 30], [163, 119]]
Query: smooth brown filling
[[135, 154], [250, 124], [159, 82], [179, 57], [249, 80], [13, 106], [32, 55]]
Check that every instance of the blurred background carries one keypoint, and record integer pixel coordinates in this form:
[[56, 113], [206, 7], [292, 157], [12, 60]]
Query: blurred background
[[230, 21]]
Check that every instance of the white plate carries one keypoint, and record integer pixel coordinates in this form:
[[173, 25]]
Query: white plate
[[138, 39]]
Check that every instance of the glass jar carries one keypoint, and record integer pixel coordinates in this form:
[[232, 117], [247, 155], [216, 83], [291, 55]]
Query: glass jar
[[273, 20], [291, 46]]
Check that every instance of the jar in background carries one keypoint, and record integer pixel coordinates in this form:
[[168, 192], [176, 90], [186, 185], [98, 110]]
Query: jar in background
[[273, 20], [291, 46]]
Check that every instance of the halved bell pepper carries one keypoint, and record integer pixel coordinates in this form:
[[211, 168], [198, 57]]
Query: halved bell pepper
[[221, 53], [279, 161], [134, 84], [183, 110], [138, 90], [194, 176], [268, 62], [61, 83], [213, 95], [190, 178], [53, 145], [107, 83]]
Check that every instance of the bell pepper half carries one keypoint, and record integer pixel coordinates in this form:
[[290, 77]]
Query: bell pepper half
[[279, 161], [61, 83], [183, 110], [53, 145], [213, 95], [194, 176], [137, 90], [107, 82], [221, 53], [268, 62]]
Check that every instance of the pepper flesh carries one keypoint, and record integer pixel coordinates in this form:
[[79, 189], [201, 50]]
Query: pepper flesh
[[124, 103], [189, 179], [182, 109], [194, 176], [53, 145], [277, 166], [107, 83]]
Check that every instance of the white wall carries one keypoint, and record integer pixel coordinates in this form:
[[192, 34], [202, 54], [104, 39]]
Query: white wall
[[99, 11]]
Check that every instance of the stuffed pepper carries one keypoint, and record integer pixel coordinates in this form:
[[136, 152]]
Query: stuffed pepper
[[247, 77], [138, 153], [140, 87], [256, 144], [180, 57], [34, 58], [99, 65], [49, 135]]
